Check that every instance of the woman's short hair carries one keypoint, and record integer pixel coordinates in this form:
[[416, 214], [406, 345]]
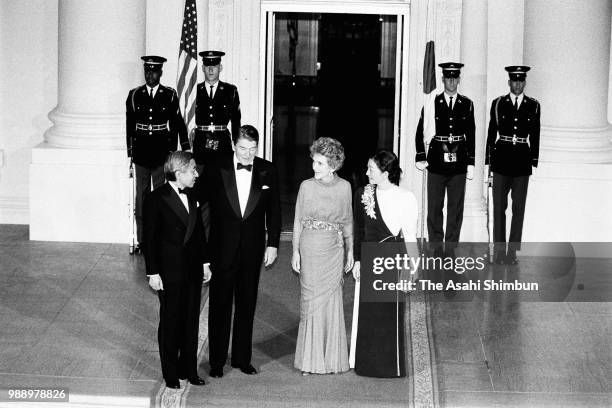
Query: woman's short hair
[[176, 161], [330, 148], [388, 161]]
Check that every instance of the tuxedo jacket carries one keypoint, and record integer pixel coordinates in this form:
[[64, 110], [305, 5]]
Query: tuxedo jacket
[[455, 122], [230, 231], [506, 157], [175, 245], [150, 148]]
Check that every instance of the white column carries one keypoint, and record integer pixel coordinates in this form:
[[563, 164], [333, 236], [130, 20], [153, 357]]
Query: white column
[[567, 44], [99, 48], [78, 176], [474, 86]]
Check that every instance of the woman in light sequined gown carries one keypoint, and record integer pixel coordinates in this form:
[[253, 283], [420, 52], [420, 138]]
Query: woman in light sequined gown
[[322, 253]]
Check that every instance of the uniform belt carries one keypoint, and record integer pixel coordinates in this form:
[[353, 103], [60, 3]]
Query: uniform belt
[[513, 139], [142, 126], [212, 128], [450, 139]]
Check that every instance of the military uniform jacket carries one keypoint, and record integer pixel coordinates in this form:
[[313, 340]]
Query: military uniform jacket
[[153, 126], [507, 157], [455, 122], [220, 110]]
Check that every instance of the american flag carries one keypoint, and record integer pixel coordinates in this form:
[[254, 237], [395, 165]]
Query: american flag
[[187, 72]]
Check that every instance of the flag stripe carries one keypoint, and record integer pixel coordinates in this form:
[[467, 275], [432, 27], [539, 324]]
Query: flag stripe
[[188, 64]]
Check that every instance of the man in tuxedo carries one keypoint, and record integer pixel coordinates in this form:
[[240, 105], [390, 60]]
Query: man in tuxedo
[[513, 146], [449, 159], [154, 125], [217, 104], [176, 258], [242, 191]]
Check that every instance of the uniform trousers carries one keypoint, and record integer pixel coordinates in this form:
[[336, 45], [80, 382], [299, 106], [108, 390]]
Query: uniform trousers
[[453, 186], [144, 175], [517, 186], [177, 334]]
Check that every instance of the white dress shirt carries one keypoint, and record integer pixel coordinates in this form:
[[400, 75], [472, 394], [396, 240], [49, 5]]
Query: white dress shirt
[[243, 182], [154, 89], [214, 88], [399, 211], [183, 196], [447, 99], [519, 99]]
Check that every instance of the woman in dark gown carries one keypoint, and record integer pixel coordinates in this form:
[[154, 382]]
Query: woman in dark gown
[[383, 212]]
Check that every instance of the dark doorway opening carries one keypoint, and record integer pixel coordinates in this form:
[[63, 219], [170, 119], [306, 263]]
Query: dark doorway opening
[[334, 76]]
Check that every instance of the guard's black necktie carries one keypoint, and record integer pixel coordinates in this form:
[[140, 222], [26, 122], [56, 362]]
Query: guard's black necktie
[[515, 103], [450, 103], [247, 167], [211, 91]]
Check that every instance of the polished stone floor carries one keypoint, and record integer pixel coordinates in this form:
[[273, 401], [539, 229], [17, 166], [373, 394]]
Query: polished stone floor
[[81, 316]]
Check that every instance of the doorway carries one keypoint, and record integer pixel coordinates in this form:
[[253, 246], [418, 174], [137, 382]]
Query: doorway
[[333, 75]]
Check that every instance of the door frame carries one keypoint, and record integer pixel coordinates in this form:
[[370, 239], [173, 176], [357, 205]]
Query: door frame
[[401, 9]]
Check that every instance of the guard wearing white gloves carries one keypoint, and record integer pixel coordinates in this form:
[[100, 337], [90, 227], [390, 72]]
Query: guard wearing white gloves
[[449, 158], [513, 146]]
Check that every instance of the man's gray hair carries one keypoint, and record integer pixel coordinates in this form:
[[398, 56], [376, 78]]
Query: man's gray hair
[[174, 162]]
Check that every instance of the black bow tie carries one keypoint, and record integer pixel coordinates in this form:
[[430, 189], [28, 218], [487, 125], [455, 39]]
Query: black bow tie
[[182, 191], [247, 167]]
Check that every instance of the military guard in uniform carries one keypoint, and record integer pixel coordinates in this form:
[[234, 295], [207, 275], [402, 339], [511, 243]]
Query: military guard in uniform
[[513, 146], [449, 159], [217, 103], [153, 127]]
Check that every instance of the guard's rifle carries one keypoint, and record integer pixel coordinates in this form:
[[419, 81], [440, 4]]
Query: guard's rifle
[[131, 206], [421, 244], [489, 183]]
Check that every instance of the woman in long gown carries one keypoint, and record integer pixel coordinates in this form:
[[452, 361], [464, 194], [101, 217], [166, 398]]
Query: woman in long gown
[[384, 212], [322, 251]]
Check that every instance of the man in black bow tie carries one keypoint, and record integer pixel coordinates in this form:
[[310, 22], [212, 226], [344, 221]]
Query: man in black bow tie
[[176, 258], [242, 191]]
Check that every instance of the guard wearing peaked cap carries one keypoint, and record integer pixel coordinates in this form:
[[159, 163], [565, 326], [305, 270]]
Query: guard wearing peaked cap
[[154, 126], [513, 144], [217, 105], [448, 155], [451, 69]]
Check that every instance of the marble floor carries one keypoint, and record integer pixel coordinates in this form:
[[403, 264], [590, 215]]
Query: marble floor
[[81, 316]]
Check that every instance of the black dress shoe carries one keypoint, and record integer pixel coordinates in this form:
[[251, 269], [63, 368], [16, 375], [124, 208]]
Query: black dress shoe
[[173, 384], [216, 372], [247, 369], [500, 258], [196, 380], [511, 258]]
